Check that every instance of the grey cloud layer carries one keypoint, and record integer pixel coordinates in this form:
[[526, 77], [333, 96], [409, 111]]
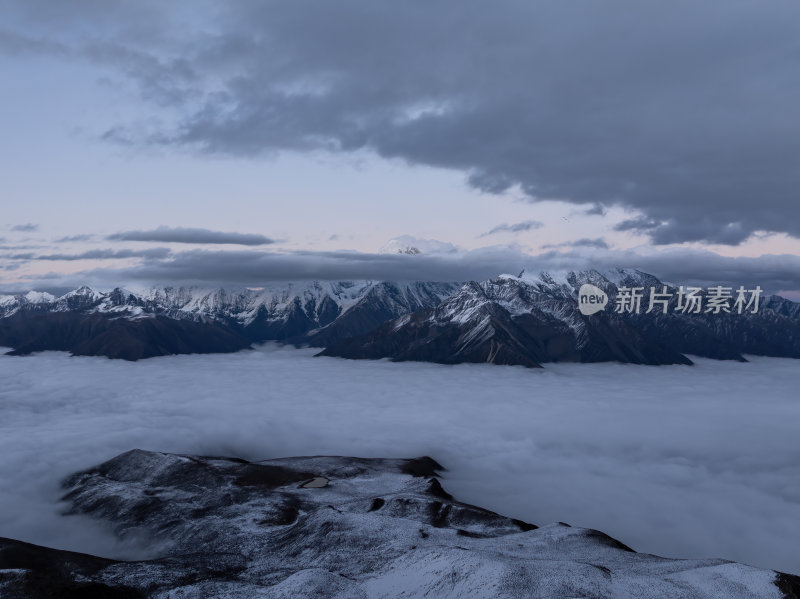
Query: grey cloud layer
[[527, 225], [684, 111], [190, 235], [71, 238], [597, 242], [254, 267], [99, 254], [246, 267]]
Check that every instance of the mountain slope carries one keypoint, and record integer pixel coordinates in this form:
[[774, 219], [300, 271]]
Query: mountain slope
[[475, 325], [127, 339], [379, 304], [528, 322], [338, 527], [506, 320], [168, 320], [783, 306]]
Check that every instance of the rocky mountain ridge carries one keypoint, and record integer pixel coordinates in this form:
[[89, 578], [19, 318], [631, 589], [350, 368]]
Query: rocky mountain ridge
[[314, 313], [530, 321], [507, 320], [336, 528]]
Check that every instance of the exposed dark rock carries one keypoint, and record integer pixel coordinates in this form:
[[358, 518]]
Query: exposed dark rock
[[789, 585], [128, 339], [32, 572], [424, 466]]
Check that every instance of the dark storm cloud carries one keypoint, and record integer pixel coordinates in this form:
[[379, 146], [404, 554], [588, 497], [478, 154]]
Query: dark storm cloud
[[704, 228], [25, 228], [527, 225], [682, 111], [189, 235]]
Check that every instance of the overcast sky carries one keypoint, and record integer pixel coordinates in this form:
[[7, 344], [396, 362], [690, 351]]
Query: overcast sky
[[240, 142]]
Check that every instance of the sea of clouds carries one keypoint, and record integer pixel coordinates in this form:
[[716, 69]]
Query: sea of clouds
[[699, 461]]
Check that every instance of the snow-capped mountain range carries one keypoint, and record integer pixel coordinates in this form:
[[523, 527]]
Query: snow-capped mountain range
[[317, 302], [526, 320], [533, 320], [307, 312]]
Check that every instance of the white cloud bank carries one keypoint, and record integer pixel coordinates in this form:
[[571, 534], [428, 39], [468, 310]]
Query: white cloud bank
[[679, 461]]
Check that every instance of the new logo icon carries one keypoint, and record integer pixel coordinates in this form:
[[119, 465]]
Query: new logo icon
[[591, 299]]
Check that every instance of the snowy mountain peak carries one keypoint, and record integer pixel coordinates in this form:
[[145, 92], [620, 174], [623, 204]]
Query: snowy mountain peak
[[408, 244], [38, 297], [530, 320], [508, 319], [83, 290], [276, 311]]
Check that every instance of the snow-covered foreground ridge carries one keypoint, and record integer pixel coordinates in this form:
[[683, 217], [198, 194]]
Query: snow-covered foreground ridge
[[335, 527]]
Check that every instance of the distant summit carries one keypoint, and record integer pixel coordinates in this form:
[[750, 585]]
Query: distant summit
[[408, 244]]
